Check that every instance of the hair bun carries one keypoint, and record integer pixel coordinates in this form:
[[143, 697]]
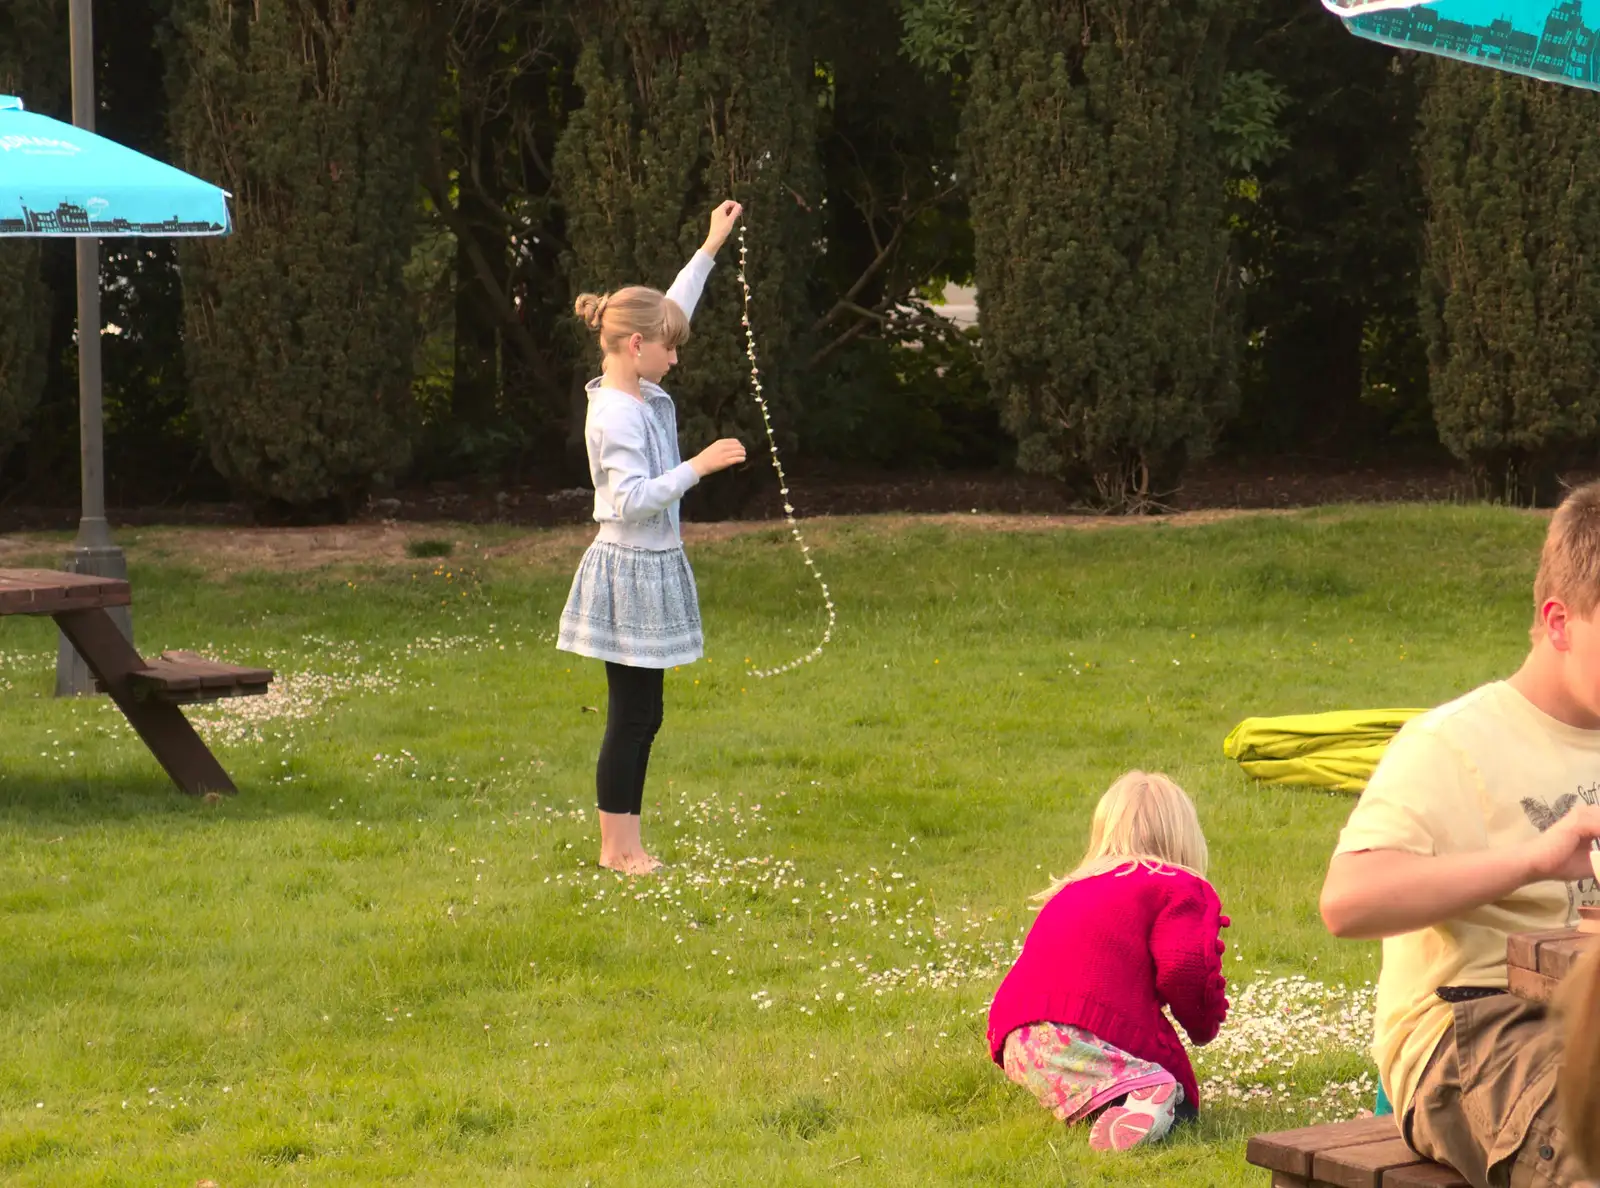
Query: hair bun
[[591, 307]]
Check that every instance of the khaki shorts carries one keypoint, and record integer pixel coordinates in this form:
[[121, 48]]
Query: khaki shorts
[[1486, 1104]]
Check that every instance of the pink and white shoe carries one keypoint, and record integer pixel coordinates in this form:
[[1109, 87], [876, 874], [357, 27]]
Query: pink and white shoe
[[1145, 1116]]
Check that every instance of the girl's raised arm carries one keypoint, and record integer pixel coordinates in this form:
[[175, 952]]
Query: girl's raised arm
[[691, 282], [685, 291]]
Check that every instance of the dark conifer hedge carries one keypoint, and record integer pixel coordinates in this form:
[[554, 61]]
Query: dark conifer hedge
[[300, 328], [1511, 290], [1098, 209], [33, 66], [685, 103]]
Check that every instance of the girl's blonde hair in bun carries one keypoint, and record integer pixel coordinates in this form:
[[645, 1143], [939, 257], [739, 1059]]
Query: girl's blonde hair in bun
[[616, 317]]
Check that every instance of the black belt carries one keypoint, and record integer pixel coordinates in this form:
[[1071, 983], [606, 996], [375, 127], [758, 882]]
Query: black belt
[[1467, 993]]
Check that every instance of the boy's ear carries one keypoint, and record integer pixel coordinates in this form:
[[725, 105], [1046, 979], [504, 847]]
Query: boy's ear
[[1553, 618]]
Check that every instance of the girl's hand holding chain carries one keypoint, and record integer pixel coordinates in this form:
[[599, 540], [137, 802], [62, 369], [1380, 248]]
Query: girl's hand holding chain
[[719, 455]]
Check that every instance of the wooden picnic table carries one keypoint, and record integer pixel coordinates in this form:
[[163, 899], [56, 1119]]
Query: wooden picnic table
[[1537, 961], [148, 692], [1369, 1152]]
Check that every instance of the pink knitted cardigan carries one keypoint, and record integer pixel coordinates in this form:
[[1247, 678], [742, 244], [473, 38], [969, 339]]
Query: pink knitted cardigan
[[1108, 952]]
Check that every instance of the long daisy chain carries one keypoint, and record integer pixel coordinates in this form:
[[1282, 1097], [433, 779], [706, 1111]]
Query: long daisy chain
[[783, 482]]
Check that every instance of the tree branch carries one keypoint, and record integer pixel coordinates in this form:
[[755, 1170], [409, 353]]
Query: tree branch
[[822, 355], [846, 304], [505, 306]]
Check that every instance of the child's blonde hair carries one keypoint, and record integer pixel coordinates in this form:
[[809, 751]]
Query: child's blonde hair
[[1577, 1004], [1144, 818], [1569, 564], [616, 317]]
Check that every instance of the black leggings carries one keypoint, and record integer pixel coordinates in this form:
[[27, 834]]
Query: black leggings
[[633, 715]]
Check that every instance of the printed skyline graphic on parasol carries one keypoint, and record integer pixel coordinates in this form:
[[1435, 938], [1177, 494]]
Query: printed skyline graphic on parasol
[[1544, 39], [58, 180]]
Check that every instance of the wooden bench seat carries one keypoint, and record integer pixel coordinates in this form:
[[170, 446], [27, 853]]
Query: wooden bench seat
[[185, 678], [1365, 1153], [148, 692]]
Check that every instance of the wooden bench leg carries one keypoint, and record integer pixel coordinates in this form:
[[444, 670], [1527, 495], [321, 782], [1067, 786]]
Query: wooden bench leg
[[164, 729]]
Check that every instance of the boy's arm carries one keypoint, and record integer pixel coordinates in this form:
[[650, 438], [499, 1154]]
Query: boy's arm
[[1375, 893]]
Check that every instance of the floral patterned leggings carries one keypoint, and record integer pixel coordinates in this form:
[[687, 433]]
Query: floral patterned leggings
[[1072, 1072]]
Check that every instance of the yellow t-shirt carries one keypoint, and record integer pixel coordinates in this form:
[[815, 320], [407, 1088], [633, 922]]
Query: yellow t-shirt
[[1485, 771]]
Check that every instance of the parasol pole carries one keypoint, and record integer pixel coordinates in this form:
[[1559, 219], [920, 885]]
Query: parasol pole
[[93, 551]]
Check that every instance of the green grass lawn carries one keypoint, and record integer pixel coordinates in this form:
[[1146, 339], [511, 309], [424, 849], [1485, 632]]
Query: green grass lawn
[[391, 959]]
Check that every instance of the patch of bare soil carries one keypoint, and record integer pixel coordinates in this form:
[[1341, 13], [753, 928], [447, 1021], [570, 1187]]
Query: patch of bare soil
[[231, 550], [823, 490], [221, 551], [1081, 522], [222, 537]]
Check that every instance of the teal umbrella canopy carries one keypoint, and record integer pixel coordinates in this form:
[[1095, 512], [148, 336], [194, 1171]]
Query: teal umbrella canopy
[[1554, 40], [58, 180]]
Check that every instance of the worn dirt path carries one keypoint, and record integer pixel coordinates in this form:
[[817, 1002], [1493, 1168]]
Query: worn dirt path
[[236, 550]]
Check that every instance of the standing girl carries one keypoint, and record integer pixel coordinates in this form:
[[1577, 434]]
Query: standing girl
[[633, 602], [1078, 1021]]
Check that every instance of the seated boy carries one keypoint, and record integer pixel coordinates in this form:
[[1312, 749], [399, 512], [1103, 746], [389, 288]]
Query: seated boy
[[1477, 824]]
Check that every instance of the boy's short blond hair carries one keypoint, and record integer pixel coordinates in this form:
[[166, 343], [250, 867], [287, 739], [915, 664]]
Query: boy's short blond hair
[[1569, 565]]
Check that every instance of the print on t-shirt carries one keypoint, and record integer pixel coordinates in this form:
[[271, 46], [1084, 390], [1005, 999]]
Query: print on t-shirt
[[1543, 815]]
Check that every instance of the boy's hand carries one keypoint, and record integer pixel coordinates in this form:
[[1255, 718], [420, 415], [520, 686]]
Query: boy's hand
[[722, 220], [719, 455], [1562, 851]]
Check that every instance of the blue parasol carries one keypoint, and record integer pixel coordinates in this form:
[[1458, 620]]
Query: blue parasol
[[56, 179], [1545, 39], [61, 180]]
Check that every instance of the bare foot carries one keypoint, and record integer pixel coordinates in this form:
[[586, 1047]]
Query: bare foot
[[620, 847], [634, 863]]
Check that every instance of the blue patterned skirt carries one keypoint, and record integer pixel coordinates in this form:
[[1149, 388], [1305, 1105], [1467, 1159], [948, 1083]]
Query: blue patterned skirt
[[633, 606]]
